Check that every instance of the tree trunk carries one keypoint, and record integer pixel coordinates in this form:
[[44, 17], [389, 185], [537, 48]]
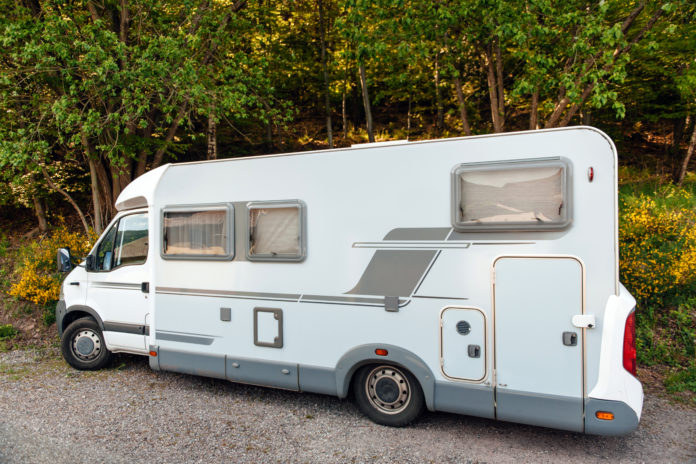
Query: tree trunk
[[501, 87], [108, 198], [212, 134], [366, 103], [141, 166], [327, 101], [40, 214], [344, 112], [94, 186], [687, 158], [493, 89], [462, 106], [69, 198], [440, 123], [408, 118], [534, 113]]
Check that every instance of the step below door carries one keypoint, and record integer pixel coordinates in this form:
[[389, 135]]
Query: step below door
[[538, 351]]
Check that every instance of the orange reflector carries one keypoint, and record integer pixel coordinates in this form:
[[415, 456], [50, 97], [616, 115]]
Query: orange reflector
[[381, 352], [604, 415], [153, 353]]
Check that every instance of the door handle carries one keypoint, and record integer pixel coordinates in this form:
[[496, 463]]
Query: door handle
[[145, 287], [570, 338]]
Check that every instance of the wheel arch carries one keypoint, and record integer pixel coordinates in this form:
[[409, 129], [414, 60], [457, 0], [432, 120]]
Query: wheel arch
[[364, 355], [74, 313]]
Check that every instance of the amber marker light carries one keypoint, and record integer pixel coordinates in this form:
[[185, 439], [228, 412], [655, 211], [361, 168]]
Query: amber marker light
[[604, 415], [381, 352], [153, 353]]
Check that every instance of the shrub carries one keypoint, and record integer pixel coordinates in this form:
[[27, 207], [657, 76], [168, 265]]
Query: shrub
[[7, 331], [39, 282], [658, 247]]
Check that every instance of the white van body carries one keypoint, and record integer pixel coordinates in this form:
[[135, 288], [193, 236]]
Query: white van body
[[517, 316]]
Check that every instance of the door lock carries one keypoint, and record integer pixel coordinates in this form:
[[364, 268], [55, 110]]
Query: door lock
[[474, 351], [570, 338]]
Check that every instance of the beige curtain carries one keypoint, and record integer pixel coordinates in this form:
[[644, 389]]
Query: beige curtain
[[521, 195], [196, 233], [274, 231]]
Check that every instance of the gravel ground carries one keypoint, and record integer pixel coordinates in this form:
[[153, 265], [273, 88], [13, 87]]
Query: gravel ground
[[54, 414]]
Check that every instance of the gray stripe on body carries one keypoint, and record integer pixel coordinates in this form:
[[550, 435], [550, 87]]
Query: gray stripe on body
[[425, 233], [116, 285], [327, 299], [393, 272], [342, 299], [229, 293], [184, 338]]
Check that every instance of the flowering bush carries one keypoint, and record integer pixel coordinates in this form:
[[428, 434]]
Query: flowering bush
[[658, 247], [38, 280]]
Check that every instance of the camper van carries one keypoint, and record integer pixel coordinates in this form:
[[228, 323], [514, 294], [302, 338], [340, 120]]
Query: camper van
[[474, 275]]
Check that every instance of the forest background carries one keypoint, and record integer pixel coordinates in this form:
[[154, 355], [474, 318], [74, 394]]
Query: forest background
[[95, 93]]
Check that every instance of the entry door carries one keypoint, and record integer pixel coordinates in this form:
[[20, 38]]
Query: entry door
[[538, 351], [115, 286]]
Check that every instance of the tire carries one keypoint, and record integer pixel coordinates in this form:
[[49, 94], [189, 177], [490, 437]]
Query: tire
[[388, 395], [83, 345]]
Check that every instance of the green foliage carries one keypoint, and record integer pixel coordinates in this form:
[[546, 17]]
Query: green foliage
[[658, 246], [38, 280], [683, 380], [7, 331], [657, 229]]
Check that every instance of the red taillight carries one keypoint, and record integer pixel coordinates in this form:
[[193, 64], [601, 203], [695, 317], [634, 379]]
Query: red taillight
[[629, 344]]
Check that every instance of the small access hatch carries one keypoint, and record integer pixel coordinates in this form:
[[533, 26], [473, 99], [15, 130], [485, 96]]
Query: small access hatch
[[268, 327], [463, 343]]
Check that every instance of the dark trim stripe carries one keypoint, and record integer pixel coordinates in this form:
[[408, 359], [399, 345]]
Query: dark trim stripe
[[228, 294], [196, 339], [116, 285], [325, 299], [342, 299], [124, 327]]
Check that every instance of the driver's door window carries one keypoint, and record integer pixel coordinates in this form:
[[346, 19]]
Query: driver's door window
[[125, 243], [105, 252]]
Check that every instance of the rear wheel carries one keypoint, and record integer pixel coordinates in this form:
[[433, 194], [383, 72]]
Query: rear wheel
[[83, 345], [388, 395]]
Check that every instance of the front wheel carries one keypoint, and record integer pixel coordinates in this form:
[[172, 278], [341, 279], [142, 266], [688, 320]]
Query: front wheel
[[83, 345], [388, 395]]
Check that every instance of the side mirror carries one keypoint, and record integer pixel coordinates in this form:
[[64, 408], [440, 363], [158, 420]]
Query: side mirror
[[64, 260], [89, 263]]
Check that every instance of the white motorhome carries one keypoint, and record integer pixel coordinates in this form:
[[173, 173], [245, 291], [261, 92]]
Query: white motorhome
[[473, 275]]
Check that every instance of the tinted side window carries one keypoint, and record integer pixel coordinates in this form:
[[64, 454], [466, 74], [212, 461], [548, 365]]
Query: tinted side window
[[196, 234], [131, 240], [105, 252], [276, 231], [513, 196]]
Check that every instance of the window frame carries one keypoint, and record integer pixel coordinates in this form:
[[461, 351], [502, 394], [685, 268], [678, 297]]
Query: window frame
[[566, 189], [302, 210], [114, 225], [228, 208]]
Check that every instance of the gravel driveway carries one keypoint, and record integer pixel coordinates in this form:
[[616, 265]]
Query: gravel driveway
[[54, 414]]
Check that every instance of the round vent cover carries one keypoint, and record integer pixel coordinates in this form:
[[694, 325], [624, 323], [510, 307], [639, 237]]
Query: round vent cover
[[463, 328]]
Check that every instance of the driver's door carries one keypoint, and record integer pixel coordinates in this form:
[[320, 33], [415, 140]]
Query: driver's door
[[115, 285]]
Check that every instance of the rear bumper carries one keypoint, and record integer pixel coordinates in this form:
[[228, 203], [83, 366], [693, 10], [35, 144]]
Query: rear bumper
[[625, 418]]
